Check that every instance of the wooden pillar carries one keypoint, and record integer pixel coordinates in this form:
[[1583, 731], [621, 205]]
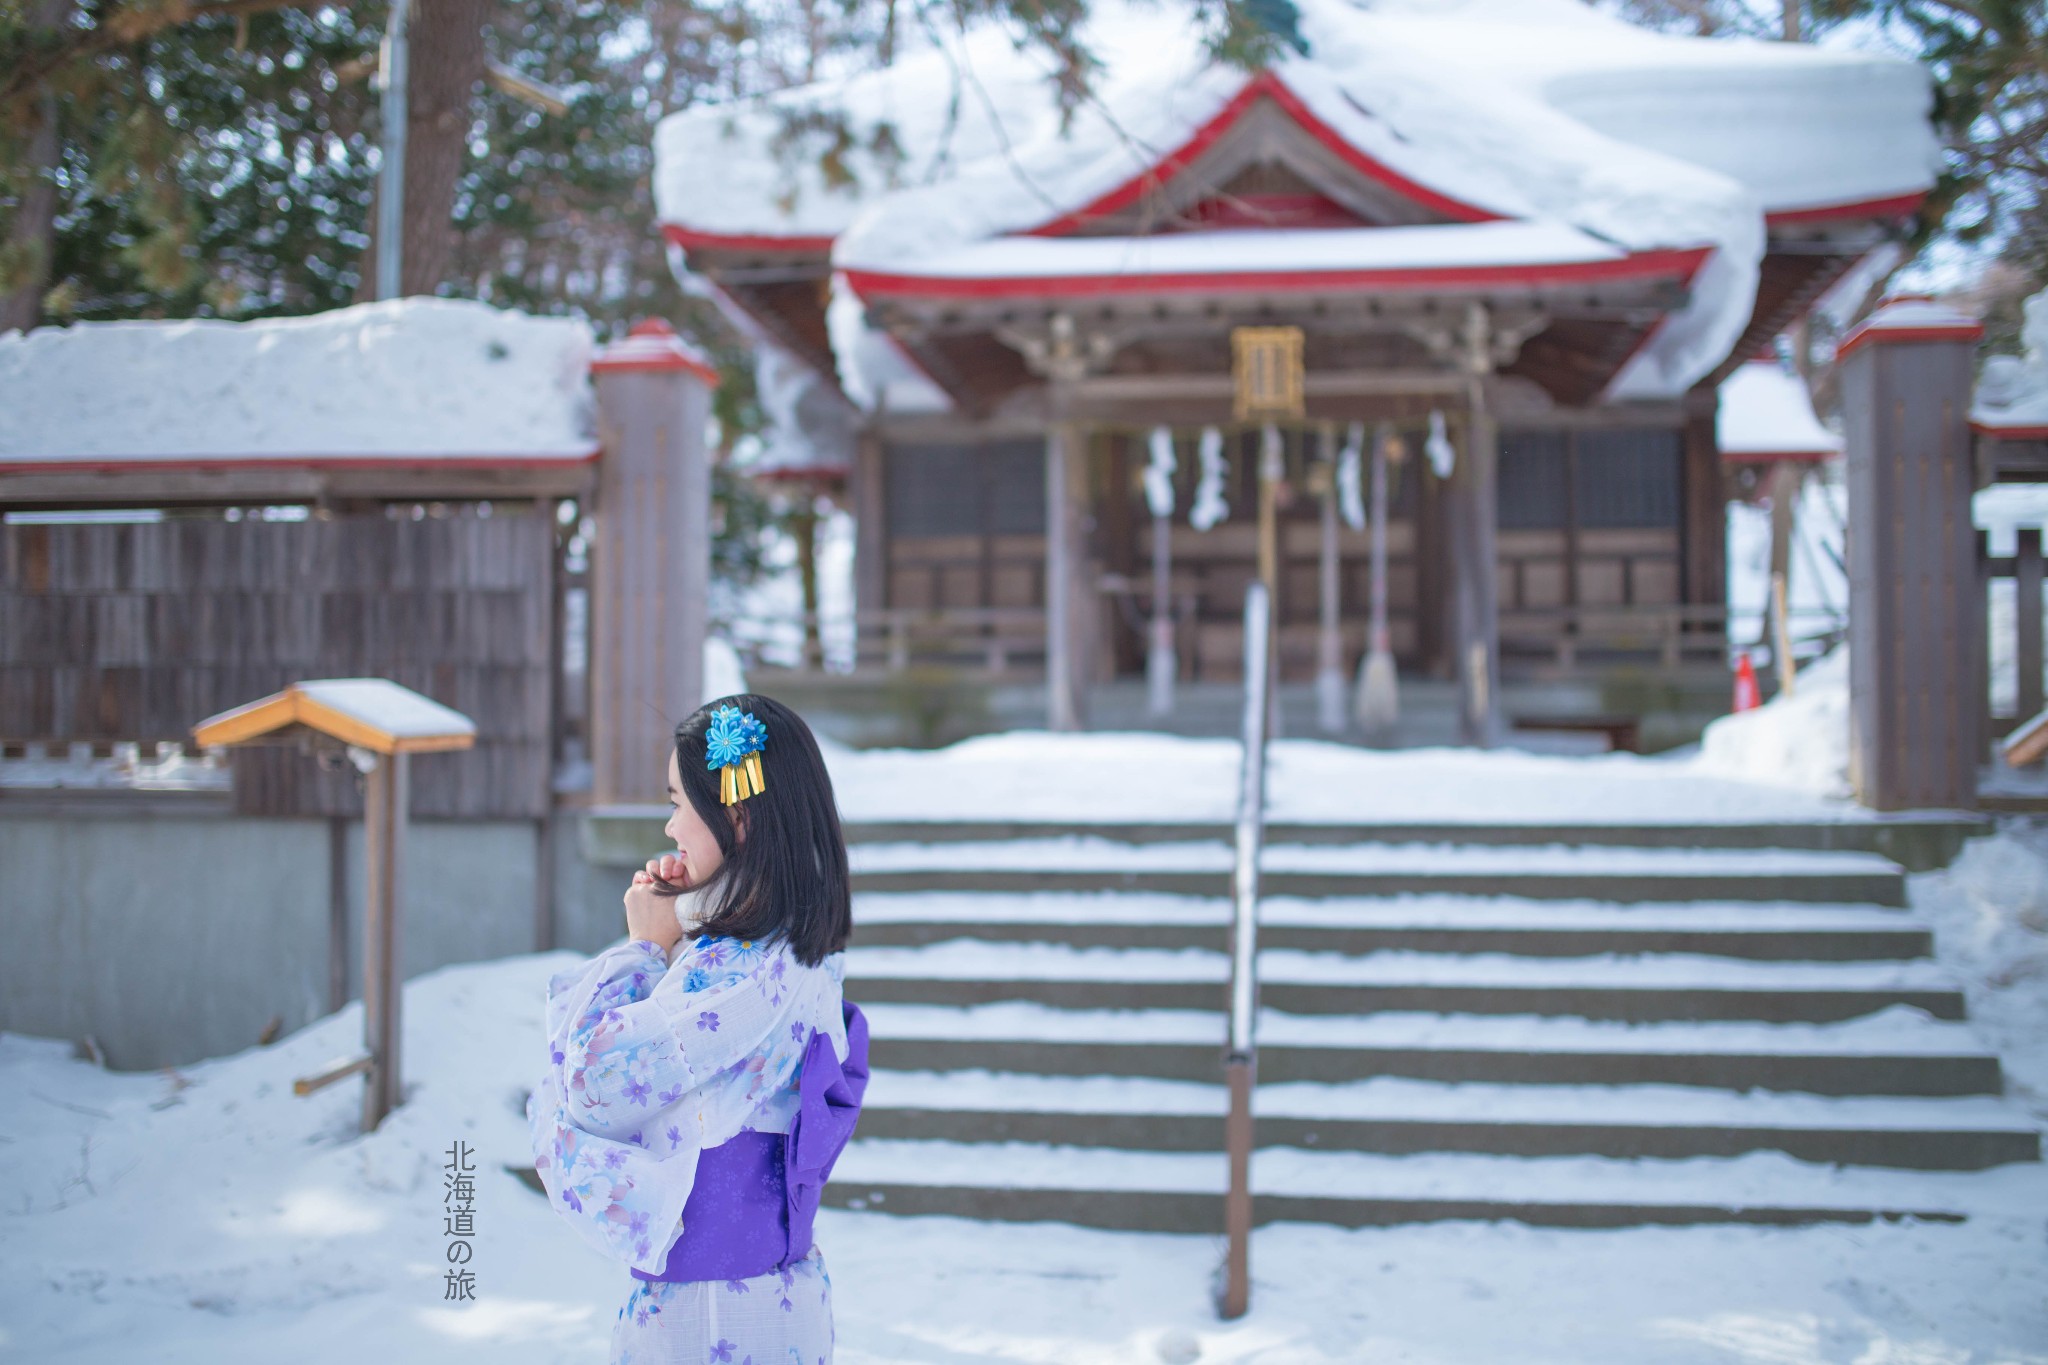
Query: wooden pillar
[[1432, 555], [871, 524], [337, 913], [1161, 661], [554, 549], [1068, 625], [385, 794], [1330, 689], [651, 569], [1379, 695], [1471, 516], [1703, 515], [1916, 735], [1980, 654]]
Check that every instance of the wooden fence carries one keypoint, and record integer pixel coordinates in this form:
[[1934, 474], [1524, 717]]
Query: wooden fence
[[136, 631]]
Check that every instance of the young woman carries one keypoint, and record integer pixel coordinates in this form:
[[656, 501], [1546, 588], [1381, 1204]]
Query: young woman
[[704, 1075]]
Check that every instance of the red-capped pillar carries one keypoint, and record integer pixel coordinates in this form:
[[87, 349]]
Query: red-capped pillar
[[650, 568], [1915, 604]]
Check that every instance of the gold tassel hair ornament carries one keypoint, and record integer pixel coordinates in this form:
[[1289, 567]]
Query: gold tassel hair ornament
[[733, 745]]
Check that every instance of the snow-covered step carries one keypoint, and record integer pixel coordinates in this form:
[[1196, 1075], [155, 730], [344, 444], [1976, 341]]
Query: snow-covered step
[[1608, 986], [1182, 1191], [1896, 1051], [1547, 872], [1397, 1115], [1918, 840], [1800, 931]]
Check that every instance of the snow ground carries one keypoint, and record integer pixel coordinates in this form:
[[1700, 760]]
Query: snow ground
[[212, 1214], [1039, 775]]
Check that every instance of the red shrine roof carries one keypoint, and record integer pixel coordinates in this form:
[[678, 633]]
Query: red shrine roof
[[1275, 260], [1420, 145]]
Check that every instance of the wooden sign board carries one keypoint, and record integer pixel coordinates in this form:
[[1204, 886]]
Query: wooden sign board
[[1268, 367]]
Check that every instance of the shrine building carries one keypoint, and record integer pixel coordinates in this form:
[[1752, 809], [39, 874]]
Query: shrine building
[[1509, 250]]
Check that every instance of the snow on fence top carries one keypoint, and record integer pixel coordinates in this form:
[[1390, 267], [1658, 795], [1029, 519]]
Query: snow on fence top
[[1766, 413], [1522, 109], [417, 378], [2012, 396]]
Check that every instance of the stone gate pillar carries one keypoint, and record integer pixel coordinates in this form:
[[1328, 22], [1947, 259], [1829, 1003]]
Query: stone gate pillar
[[650, 571], [1915, 605]]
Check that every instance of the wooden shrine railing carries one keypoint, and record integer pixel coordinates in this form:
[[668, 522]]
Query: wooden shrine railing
[[1005, 642], [993, 642], [1669, 635], [2024, 568]]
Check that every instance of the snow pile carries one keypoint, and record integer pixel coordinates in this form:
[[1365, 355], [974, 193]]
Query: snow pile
[[1767, 414], [400, 379], [1989, 909], [1799, 741], [2012, 395]]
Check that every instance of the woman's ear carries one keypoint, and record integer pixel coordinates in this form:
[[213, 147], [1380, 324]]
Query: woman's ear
[[738, 811]]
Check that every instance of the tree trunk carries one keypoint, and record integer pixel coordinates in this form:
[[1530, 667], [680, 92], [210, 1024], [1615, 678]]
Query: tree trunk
[[444, 65], [803, 524], [33, 232]]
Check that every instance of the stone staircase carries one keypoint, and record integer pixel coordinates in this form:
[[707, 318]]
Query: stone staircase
[[1589, 1026]]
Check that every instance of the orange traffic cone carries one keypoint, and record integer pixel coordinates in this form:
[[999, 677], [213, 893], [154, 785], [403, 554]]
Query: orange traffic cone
[[1748, 695]]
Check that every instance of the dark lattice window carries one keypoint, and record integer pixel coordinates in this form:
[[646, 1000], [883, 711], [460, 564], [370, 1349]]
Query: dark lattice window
[[1532, 473], [993, 487], [1627, 478]]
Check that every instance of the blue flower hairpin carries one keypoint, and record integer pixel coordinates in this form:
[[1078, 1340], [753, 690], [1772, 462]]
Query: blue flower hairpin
[[733, 745]]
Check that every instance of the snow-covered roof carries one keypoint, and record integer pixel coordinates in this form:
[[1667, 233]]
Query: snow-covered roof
[[1536, 110], [374, 713], [1766, 413], [2012, 395], [1806, 129], [405, 379], [652, 345], [810, 432], [1396, 258], [1910, 317]]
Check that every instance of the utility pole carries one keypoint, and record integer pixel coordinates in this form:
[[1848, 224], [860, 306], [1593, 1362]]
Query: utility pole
[[391, 170]]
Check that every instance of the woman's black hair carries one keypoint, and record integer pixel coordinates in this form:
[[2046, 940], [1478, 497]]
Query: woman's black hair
[[789, 874]]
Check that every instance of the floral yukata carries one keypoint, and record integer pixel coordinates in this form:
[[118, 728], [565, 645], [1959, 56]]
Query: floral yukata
[[737, 1064]]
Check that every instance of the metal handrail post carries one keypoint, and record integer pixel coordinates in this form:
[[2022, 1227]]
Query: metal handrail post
[[1240, 1059]]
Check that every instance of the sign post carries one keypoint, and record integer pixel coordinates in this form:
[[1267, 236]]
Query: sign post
[[380, 725]]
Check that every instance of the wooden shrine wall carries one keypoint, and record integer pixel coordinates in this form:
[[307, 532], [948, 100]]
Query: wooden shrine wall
[[966, 524], [1588, 519], [136, 631]]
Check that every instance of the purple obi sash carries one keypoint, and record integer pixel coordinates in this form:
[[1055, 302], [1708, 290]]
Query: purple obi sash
[[756, 1197]]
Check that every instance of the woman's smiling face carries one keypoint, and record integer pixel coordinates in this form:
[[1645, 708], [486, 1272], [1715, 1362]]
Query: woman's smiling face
[[693, 838]]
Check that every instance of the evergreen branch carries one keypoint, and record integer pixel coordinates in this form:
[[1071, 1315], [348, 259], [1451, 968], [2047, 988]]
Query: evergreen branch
[[28, 73]]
